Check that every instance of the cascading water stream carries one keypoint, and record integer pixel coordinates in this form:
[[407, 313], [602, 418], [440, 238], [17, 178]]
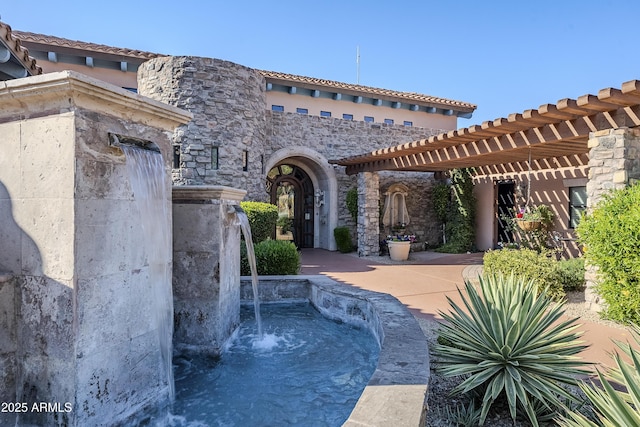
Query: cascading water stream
[[148, 181], [251, 256]]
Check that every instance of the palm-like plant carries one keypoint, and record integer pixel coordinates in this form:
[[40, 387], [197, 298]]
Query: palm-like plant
[[510, 341], [613, 407]]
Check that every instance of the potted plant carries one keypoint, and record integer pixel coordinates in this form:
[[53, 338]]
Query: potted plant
[[529, 219], [399, 246]]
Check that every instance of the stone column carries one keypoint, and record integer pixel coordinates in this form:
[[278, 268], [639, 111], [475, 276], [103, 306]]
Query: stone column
[[206, 266], [368, 213], [614, 163]]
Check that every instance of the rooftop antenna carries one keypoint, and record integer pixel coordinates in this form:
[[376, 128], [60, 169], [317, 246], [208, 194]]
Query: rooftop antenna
[[357, 64]]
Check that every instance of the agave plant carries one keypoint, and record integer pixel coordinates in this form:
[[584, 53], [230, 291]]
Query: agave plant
[[613, 407], [510, 341]]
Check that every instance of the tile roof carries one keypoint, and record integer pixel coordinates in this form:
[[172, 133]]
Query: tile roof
[[21, 53], [269, 75], [408, 96], [75, 44]]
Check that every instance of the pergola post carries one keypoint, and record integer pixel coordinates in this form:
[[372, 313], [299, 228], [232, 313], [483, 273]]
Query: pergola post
[[614, 163], [368, 213]]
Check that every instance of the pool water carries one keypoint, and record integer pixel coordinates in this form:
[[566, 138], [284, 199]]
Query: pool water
[[306, 370]]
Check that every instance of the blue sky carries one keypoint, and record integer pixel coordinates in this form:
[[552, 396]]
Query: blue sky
[[504, 56]]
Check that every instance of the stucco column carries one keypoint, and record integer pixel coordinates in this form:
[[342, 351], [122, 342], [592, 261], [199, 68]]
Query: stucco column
[[614, 163], [368, 214]]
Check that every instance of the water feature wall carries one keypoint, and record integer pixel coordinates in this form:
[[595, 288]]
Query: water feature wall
[[206, 270], [82, 335]]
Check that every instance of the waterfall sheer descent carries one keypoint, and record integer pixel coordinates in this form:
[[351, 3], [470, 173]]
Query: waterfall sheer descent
[[246, 232], [151, 194]]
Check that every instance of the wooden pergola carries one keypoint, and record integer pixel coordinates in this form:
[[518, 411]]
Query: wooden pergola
[[553, 136]]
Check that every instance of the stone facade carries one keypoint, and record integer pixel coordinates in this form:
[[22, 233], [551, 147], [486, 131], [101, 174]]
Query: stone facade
[[614, 163], [368, 213], [83, 313], [230, 113], [228, 105]]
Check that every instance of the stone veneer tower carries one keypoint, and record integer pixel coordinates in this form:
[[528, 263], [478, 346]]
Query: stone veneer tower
[[225, 140]]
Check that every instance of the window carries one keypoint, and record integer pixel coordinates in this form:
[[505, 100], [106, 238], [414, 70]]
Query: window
[[368, 119], [577, 204], [214, 158], [406, 123], [388, 121], [277, 108], [245, 160], [325, 113], [302, 111], [176, 156], [347, 116]]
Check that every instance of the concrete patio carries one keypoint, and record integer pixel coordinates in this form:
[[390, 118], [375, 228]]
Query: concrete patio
[[425, 281]]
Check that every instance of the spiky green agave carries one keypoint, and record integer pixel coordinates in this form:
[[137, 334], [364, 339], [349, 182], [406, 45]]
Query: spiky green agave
[[510, 341], [613, 407]]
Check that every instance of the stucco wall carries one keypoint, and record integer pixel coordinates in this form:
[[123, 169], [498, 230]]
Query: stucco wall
[[549, 187], [359, 111]]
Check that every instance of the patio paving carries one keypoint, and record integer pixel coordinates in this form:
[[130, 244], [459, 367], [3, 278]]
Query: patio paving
[[424, 282]]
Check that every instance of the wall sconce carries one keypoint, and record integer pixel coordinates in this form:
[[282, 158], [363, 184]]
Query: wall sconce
[[319, 198]]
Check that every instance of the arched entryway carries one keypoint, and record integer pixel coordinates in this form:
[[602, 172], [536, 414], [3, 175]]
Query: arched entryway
[[291, 189], [321, 192]]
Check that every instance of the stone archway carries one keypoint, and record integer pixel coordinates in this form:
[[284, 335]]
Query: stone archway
[[325, 188]]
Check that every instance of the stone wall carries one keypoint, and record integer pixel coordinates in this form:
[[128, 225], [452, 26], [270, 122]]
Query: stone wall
[[86, 330], [230, 112], [228, 105], [337, 138], [8, 341], [614, 163]]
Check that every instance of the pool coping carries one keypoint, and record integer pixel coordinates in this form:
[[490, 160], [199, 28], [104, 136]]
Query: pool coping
[[397, 391]]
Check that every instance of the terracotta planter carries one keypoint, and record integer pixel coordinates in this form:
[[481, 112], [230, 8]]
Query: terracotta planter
[[399, 251], [529, 225]]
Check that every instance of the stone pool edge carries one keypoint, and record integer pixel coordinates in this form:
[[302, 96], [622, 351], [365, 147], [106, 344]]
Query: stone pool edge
[[396, 393]]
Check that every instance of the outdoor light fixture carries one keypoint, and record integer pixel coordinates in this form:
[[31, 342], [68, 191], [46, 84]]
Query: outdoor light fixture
[[319, 198]]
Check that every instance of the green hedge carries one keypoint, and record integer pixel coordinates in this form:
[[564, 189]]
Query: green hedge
[[273, 257], [262, 219], [610, 235], [528, 263], [343, 239], [570, 274]]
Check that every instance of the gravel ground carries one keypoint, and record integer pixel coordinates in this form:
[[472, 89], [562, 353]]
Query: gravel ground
[[440, 386]]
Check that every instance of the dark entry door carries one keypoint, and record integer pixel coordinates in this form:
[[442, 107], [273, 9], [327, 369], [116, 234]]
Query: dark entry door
[[291, 190], [505, 209]]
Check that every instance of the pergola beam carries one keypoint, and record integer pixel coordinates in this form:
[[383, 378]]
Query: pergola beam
[[553, 135]]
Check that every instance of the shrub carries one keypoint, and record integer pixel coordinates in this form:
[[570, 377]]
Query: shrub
[[343, 239], [510, 342], [460, 228], [610, 235], [352, 203], [262, 219], [527, 263], [570, 274], [273, 257], [613, 407]]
